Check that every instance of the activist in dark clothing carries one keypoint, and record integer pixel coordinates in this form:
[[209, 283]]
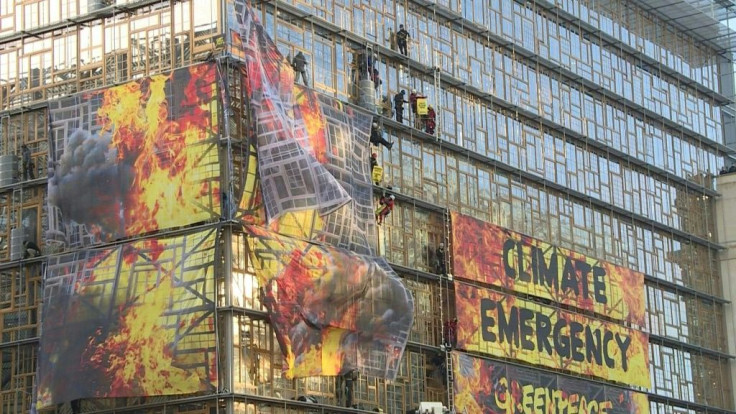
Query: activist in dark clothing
[[431, 121], [451, 333], [377, 137], [365, 65], [413, 96], [27, 163], [402, 36], [350, 379], [376, 176], [376, 79], [440, 257], [299, 63], [399, 105], [414, 103], [30, 249]]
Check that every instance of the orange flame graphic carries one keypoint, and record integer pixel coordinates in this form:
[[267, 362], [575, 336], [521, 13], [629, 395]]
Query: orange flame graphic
[[162, 142], [308, 104], [138, 357]]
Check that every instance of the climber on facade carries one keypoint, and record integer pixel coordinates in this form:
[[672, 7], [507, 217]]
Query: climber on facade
[[386, 206], [27, 162], [30, 249], [441, 265], [376, 77], [431, 122], [377, 137], [414, 98], [399, 101], [299, 63], [402, 38], [376, 170]]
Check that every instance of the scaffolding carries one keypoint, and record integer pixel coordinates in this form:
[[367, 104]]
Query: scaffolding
[[258, 382]]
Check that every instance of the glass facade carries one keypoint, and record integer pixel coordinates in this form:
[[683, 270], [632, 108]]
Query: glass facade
[[592, 125]]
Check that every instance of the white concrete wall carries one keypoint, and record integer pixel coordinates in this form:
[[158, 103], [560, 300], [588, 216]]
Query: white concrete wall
[[725, 215]]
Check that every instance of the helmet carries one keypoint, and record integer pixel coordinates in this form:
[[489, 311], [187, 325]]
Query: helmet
[[413, 91], [392, 197], [375, 125]]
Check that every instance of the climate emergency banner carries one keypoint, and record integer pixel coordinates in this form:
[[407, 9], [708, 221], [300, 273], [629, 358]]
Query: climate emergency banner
[[491, 254], [490, 387], [506, 326]]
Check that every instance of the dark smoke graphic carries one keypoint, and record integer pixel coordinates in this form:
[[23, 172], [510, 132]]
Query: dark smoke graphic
[[134, 158], [88, 185], [333, 310]]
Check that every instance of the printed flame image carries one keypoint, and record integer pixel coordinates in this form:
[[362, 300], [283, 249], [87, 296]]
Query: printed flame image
[[490, 254], [307, 106], [332, 310], [473, 384], [142, 347], [145, 162], [483, 386], [142, 325]]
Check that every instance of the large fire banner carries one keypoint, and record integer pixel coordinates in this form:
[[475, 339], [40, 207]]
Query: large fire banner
[[507, 326], [491, 254], [134, 158], [333, 310], [482, 386], [133, 320], [312, 150]]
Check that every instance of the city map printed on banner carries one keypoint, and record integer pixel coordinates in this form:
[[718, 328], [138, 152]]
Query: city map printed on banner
[[284, 146], [132, 320], [339, 137], [483, 386], [491, 254], [333, 310], [507, 326], [134, 158], [312, 149]]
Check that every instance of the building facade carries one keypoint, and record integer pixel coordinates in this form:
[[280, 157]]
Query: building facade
[[593, 127]]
